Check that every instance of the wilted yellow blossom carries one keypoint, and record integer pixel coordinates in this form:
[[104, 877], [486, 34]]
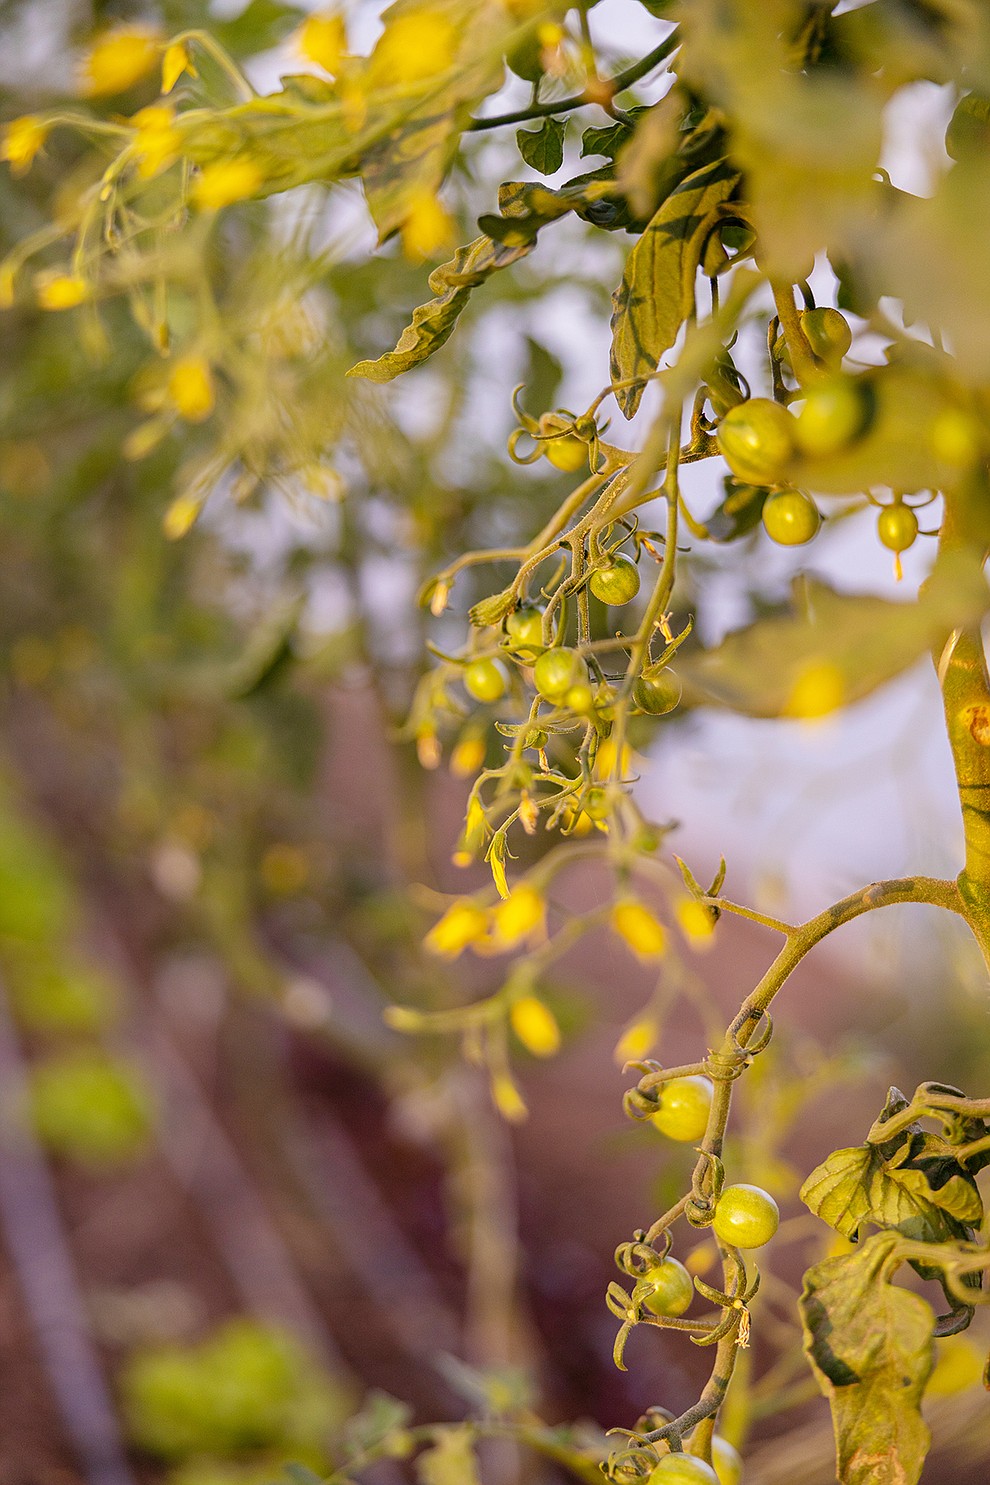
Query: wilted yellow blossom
[[535, 1025], [639, 928], [322, 39], [61, 290], [117, 59], [413, 46], [175, 62], [181, 516], [226, 181], [820, 688], [428, 229], [519, 916], [508, 1099], [638, 1039], [190, 388], [473, 836], [605, 760], [157, 142], [695, 921], [467, 757], [22, 139], [462, 924]]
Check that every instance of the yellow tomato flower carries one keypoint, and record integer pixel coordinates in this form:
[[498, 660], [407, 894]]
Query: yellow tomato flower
[[413, 47], [61, 290], [224, 182], [190, 388], [467, 757], [695, 921], [462, 924], [508, 1099], [428, 229], [518, 916], [22, 140], [181, 516], [605, 760], [639, 929], [535, 1025], [175, 62], [157, 142], [322, 38], [117, 59], [638, 1039], [820, 688]]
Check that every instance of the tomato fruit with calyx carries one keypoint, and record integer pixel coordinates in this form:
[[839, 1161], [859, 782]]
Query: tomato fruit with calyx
[[745, 1216], [836, 411], [726, 1461], [556, 671], [673, 1288], [897, 527], [617, 582], [568, 454], [827, 332], [484, 680], [657, 694], [757, 440], [790, 517], [684, 1107], [524, 629], [682, 1469]]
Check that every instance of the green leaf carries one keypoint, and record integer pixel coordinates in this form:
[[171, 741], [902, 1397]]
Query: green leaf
[[433, 323], [380, 1417], [870, 1347], [657, 290], [837, 1191], [450, 1461], [856, 640], [543, 149]]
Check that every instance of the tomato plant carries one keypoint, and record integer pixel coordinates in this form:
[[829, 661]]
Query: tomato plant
[[784, 313]]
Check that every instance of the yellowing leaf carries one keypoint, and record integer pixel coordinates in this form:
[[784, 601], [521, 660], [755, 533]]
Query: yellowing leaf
[[656, 295], [870, 1347]]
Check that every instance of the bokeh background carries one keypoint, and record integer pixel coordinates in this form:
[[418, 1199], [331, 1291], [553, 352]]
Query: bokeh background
[[233, 1203]]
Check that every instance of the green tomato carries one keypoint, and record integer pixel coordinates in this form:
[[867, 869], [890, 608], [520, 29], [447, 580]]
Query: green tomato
[[657, 694], [684, 1108], [484, 680], [756, 440], [524, 628], [556, 671], [828, 333], [897, 527], [568, 454], [580, 699], [745, 1216], [836, 412], [673, 1288], [727, 1461], [682, 1469], [617, 582], [790, 517]]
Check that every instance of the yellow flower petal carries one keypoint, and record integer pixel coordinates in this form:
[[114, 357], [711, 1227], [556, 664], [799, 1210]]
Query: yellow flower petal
[[181, 516], [226, 181], [637, 1041], [175, 62], [518, 916], [190, 388], [462, 924], [467, 757], [414, 46], [117, 59], [639, 929], [508, 1099], [61, 290], [820, 688], [428, 230], [695, 921], [322, 39], [535, 1025], [22, 140]]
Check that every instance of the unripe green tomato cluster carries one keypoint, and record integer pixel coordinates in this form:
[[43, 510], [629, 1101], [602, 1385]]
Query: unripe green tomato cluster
[[790, 517], [673, 1288], [745, 1216], [897, 527], [827, 332], [835, 412], [684, 1107], [657, 694], [485, 680], [682, 1469], [617, 582], [727, 1461], [757, 440], [556, 671]]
